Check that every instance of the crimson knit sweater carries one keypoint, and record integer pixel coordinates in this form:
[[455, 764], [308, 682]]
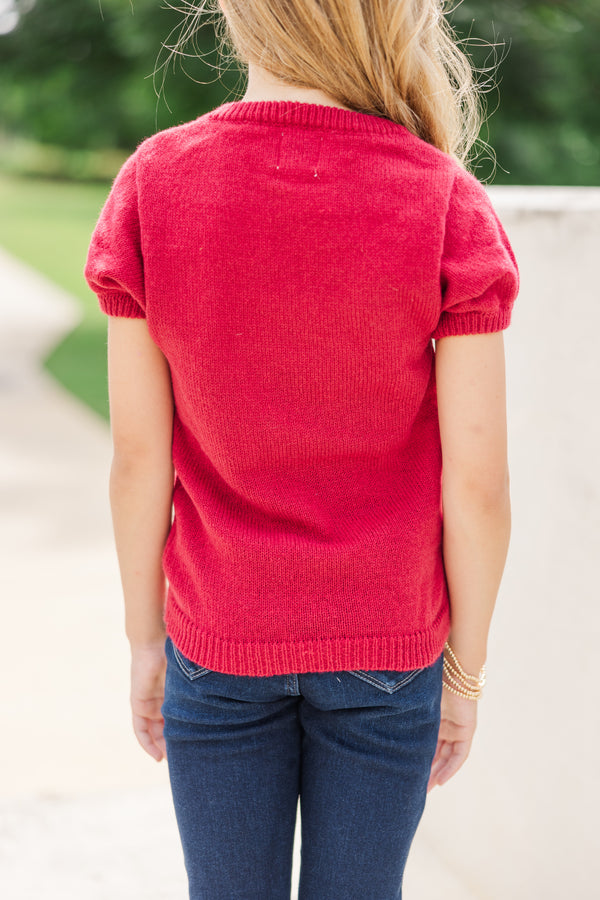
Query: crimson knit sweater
[[294, 262]]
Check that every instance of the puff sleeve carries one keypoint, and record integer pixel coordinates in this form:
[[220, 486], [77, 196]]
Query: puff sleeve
[[114, 268], [479, 277]]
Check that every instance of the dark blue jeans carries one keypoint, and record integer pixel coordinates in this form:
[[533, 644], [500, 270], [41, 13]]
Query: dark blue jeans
[[357, 748]]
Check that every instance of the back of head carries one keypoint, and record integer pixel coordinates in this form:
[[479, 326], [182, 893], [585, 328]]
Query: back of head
[[393, 58]]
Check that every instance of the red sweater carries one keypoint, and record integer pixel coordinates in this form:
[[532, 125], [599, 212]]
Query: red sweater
[[294, 262]]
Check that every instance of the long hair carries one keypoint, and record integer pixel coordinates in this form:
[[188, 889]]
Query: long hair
[[399, 59]]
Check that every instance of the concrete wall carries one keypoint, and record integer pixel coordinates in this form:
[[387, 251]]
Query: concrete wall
[[520, 820]]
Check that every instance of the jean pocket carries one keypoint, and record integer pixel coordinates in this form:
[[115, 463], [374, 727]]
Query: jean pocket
[[388, 680], [189, 668]]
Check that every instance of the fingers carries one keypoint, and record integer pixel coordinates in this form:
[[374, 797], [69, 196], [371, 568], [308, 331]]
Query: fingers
[[453, 763], [448, 759], [146, 699], [149, 734], [440, 760], [457, 728], [156, 732]]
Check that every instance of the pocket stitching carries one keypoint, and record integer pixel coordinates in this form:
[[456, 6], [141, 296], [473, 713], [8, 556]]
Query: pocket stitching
[[185, 667], [373, 680]]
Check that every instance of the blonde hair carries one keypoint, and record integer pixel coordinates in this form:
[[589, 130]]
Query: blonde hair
[[399, 59]]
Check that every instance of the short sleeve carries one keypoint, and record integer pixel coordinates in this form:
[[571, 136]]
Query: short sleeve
[[479, 277], [114, 267]]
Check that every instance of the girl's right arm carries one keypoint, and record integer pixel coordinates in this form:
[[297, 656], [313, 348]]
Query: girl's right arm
[[470, 378]]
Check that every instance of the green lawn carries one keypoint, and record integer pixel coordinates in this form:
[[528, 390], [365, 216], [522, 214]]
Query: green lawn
[[48, 224]]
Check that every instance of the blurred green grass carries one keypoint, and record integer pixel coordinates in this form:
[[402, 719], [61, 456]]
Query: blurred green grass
[[48, 225]]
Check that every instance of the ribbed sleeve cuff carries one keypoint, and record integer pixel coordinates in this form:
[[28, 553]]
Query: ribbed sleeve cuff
[[472, 323], [114, 303]]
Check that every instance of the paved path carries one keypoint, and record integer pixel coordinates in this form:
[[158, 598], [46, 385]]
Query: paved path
[[87, 814]]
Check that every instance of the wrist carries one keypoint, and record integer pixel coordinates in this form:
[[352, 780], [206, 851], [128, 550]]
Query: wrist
[[147, 643], [457, 680], [471, 654]]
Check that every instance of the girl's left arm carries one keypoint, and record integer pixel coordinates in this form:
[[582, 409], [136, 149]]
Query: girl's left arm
[[141, 494], [141, 475]]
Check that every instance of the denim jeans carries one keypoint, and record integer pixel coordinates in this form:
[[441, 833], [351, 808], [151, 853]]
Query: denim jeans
[[356, 747]]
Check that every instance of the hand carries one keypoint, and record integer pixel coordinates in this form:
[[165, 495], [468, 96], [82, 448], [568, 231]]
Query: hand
[[457, 727], [148, 670]]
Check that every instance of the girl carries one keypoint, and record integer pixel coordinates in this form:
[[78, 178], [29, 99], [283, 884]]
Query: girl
[[306, 292]]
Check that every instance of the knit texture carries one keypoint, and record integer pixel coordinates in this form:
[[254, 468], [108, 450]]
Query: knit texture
[[294, 262]]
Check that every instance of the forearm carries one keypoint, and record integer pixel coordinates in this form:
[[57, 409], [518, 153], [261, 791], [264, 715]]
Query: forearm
[[141, 500], [476, 537]]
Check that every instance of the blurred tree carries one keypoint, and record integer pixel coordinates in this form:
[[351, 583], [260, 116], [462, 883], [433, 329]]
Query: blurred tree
[[546, 129], [79, 73]]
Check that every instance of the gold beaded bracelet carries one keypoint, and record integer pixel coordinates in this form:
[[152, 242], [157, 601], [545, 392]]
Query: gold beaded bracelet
[[474, 681], [456, 680]]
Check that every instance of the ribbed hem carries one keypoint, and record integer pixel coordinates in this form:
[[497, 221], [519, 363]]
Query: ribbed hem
[[395, 652], [310, 115], [472, 323], [114, 303]]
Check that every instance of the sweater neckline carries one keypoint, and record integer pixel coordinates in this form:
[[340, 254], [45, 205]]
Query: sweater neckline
[[309, 115]]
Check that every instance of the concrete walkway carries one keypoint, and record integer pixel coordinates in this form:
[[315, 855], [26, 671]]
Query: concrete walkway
[[87, 814]]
